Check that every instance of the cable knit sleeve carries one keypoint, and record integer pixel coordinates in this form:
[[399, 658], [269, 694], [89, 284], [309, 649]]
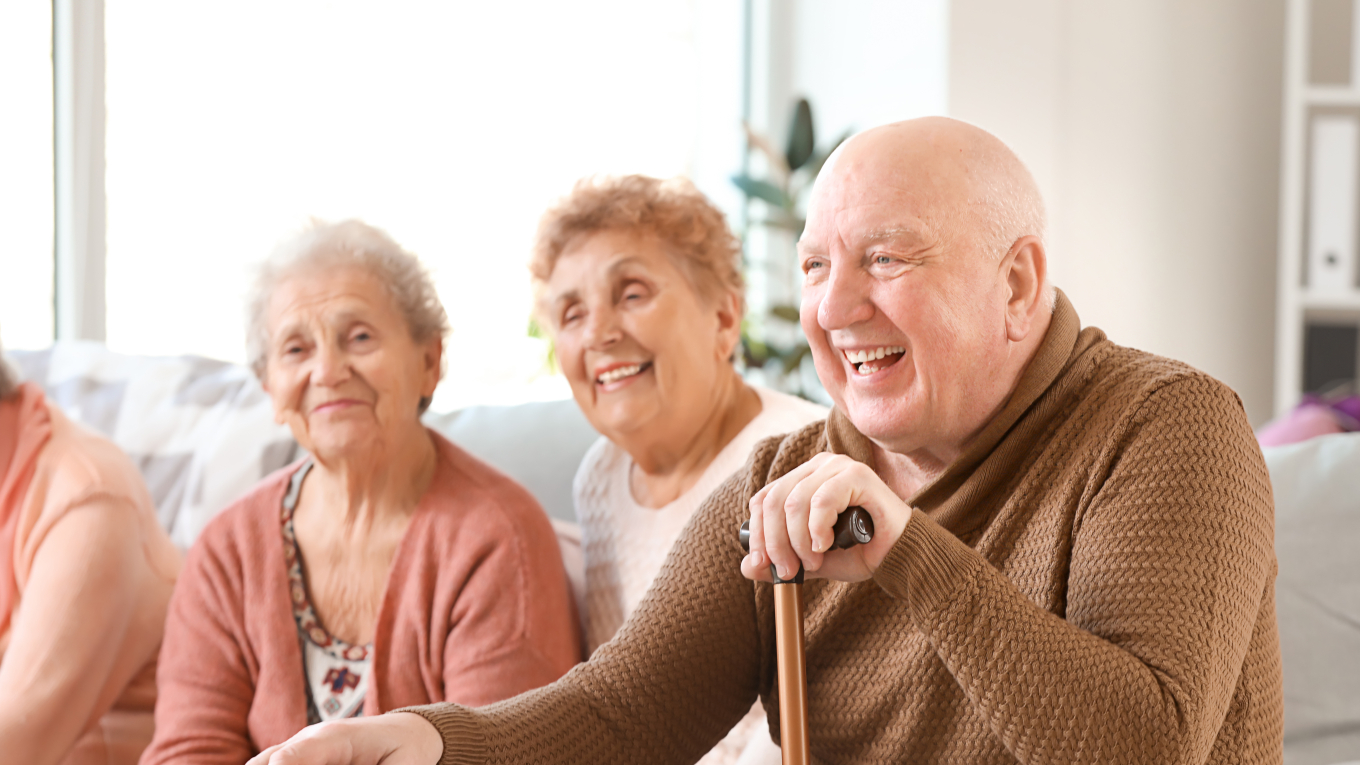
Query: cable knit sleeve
[[1171, 560]]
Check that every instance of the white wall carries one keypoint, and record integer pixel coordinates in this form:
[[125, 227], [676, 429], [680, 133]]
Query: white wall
[[1153, 129], [860, 63]]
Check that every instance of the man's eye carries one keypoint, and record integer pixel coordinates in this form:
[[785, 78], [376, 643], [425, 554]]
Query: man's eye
[[360, 337], [812, 264], [293, 350], [882, 260]]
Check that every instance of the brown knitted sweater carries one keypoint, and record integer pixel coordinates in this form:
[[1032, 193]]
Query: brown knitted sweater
[[1090, 582]]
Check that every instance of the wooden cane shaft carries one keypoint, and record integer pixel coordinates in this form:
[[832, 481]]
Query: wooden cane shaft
[[791, 659]]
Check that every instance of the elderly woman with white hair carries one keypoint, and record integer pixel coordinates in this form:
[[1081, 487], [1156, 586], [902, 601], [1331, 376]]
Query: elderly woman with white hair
[[388, 568], [85, 576]]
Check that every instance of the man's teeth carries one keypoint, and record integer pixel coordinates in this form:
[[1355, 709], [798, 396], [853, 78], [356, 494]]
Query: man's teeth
[[863, 360], [619, 373], [873, 354]]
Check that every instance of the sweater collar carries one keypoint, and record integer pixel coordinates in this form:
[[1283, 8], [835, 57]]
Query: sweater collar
[[1060, 345]]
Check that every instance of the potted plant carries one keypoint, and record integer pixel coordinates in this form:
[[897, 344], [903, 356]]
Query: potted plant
[[783, 190]]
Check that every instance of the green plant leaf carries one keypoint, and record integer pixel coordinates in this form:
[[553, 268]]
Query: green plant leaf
[[786, 312], [550, 361], [762, 190], [802, 139], [779, 166], [792, 360], [754, 352]]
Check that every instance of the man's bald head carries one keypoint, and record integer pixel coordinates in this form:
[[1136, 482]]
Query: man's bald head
[[967, 181], [926, 290]]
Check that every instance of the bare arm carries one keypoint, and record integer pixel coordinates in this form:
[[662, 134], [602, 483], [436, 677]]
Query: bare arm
[[71, 626]]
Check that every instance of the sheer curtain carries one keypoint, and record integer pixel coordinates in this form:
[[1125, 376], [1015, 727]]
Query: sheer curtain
[[450, 125]]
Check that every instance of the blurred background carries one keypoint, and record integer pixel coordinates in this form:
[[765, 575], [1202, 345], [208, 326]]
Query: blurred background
[[151, 151]]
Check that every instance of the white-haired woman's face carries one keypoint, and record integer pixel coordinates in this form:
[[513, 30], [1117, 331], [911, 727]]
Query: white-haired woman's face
[[341, 367], [641, 349]]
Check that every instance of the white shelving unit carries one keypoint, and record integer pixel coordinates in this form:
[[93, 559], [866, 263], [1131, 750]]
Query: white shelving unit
[[1297, 305]]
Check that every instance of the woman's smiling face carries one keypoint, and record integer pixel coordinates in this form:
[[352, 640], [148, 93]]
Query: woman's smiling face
[[643, 351], [342, 369]]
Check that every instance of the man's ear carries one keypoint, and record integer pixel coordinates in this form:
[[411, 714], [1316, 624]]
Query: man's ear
[[1026, 272], [729, 324]]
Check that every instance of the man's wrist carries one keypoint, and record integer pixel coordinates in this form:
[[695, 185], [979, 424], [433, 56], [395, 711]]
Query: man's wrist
[[425, 740], [457, 730]]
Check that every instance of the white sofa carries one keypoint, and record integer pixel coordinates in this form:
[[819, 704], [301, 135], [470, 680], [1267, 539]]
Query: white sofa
[[202, 432], [1317, 595]]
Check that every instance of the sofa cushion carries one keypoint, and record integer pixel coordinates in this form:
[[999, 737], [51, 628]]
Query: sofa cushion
[[1317, 541]]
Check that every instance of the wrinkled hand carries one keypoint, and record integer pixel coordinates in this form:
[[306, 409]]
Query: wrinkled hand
[[792, 518], [394, 739]]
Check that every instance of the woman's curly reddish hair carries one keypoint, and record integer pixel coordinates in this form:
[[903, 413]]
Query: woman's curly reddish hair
[[693, 230]]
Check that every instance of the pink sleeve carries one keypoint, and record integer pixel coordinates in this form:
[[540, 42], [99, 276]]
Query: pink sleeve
[[513, 627], [204, 682]]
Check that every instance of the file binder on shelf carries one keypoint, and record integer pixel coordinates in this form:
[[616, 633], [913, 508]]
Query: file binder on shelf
[[1332, 205]]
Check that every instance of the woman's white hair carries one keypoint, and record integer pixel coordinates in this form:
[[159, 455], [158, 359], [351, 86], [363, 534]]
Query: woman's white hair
[[9, 379], [347, 243]]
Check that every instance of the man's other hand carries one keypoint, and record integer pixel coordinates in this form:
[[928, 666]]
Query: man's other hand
[[393, 739], [792, 520]]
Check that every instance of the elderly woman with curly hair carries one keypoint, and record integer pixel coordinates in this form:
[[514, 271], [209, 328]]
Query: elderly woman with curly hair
[[641, 288], [388, 568], [85, 576]]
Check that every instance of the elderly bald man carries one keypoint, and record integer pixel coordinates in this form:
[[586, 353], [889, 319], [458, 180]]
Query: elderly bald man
[[1074, 553]]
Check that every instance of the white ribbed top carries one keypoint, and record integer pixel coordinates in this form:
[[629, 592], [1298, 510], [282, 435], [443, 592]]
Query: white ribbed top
[[626, 543]]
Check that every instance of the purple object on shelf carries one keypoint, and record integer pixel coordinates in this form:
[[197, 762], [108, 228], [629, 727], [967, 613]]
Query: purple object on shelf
[[1307, 420], [1349, 407], [1345, 410]]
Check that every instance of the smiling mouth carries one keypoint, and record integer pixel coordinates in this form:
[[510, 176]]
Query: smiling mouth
[[620, 373], [870, 360], [342, 403]]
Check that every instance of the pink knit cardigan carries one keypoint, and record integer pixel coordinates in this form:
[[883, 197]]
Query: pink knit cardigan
[[476, 609]]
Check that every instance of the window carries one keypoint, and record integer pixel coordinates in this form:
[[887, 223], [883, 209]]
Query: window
[[26, 197], [450, 125]]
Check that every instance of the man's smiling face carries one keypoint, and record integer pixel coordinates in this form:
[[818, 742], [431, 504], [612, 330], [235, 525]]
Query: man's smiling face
[[903, 307]]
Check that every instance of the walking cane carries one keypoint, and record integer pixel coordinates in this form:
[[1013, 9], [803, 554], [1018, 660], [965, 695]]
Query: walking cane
[[853, 527]]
